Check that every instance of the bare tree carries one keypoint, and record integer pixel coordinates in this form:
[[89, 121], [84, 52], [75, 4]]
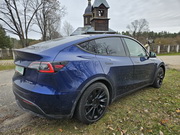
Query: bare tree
[[67, 28], [137, 27], [48, 18], [17, 15]]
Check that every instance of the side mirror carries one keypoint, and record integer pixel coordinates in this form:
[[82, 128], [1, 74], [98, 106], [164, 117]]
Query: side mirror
[[152, 55]]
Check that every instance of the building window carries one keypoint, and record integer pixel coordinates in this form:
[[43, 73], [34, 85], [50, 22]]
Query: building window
[[86, 20], [101, 13]]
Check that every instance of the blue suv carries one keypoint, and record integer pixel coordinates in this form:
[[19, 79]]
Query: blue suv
[[82, 74]]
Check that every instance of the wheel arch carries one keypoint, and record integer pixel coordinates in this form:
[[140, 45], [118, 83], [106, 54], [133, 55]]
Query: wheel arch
[[103, 80], [158, 79], [162, 65]]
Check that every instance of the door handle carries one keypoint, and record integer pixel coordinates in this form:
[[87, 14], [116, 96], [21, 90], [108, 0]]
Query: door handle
[[137, 62], [108, 63]]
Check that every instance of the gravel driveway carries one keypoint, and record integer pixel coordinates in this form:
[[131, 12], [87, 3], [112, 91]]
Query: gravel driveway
[[172, 62], [11, 116]]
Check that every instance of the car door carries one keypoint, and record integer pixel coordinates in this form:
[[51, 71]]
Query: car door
[[116, 65], [144, 67]]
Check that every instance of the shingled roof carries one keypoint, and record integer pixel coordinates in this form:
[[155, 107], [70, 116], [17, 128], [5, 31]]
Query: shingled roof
[[88, 9], [97, 3]]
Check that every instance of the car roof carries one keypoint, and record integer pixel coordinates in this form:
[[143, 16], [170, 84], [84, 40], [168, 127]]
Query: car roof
[[69, 39], [61, 43], [53, 47]]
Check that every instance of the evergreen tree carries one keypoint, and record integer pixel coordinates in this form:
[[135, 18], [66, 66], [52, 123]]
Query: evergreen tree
[[4, 40]]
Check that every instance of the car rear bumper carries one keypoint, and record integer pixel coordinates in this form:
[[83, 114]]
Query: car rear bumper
[[52, 105]]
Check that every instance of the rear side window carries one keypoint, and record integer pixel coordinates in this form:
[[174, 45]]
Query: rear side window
[[89, 46], [55, 42], [105, 46], [110, 46]]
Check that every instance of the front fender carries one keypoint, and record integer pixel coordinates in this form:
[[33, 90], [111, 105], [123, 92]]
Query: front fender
[[161, 64]]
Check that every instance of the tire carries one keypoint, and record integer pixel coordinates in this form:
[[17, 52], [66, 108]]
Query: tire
[[159, 78], [93, 103]]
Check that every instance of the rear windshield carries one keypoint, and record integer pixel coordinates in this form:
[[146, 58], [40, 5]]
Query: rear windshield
[[55, 42]]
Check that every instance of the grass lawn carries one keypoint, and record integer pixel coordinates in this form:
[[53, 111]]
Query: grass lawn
[[6, 67], [6, 64], [146, 112]]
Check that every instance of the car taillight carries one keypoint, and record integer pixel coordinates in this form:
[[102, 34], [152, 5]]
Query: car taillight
[[59, 65], [47, 67], [27, 102]]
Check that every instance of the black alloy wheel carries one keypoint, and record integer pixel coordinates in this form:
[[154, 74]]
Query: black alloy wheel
[[93, 103], [159, 78]]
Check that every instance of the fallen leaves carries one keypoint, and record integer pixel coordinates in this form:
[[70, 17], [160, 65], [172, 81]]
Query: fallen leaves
[[75, 128], [164, 122], [149, 131], [161, 133], [60, 130], [141, 129], [146, 111], [122, 132], [110, 128], [178, 111]]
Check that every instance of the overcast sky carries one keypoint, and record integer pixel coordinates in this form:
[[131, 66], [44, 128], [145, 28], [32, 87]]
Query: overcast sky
[[162, 15]]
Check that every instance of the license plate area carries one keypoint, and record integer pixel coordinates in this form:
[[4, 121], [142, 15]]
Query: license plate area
[[19, 69]]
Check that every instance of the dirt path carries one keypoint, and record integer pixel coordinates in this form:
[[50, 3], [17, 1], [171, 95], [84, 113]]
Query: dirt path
[[172, 62], [11, 116]]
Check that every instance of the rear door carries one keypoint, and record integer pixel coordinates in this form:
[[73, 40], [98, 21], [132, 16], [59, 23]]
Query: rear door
[[144, 67], [115, 63]]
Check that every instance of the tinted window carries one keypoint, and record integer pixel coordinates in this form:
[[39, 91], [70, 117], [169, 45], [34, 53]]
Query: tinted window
[[135, 49], [89, 46], [110, 46], [55, 42]]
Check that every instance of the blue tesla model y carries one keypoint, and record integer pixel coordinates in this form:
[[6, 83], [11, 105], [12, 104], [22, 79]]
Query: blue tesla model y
[[81, 75]]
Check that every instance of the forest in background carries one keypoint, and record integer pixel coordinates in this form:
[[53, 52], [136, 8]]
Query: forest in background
[[157, 38]]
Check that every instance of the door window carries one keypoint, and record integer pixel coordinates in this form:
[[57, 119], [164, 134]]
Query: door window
[[110, 46], [135, 49], [104, 46]]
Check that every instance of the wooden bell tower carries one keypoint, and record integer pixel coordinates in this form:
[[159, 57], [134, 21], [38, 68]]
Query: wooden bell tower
[[100, 20], [96, 19]]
